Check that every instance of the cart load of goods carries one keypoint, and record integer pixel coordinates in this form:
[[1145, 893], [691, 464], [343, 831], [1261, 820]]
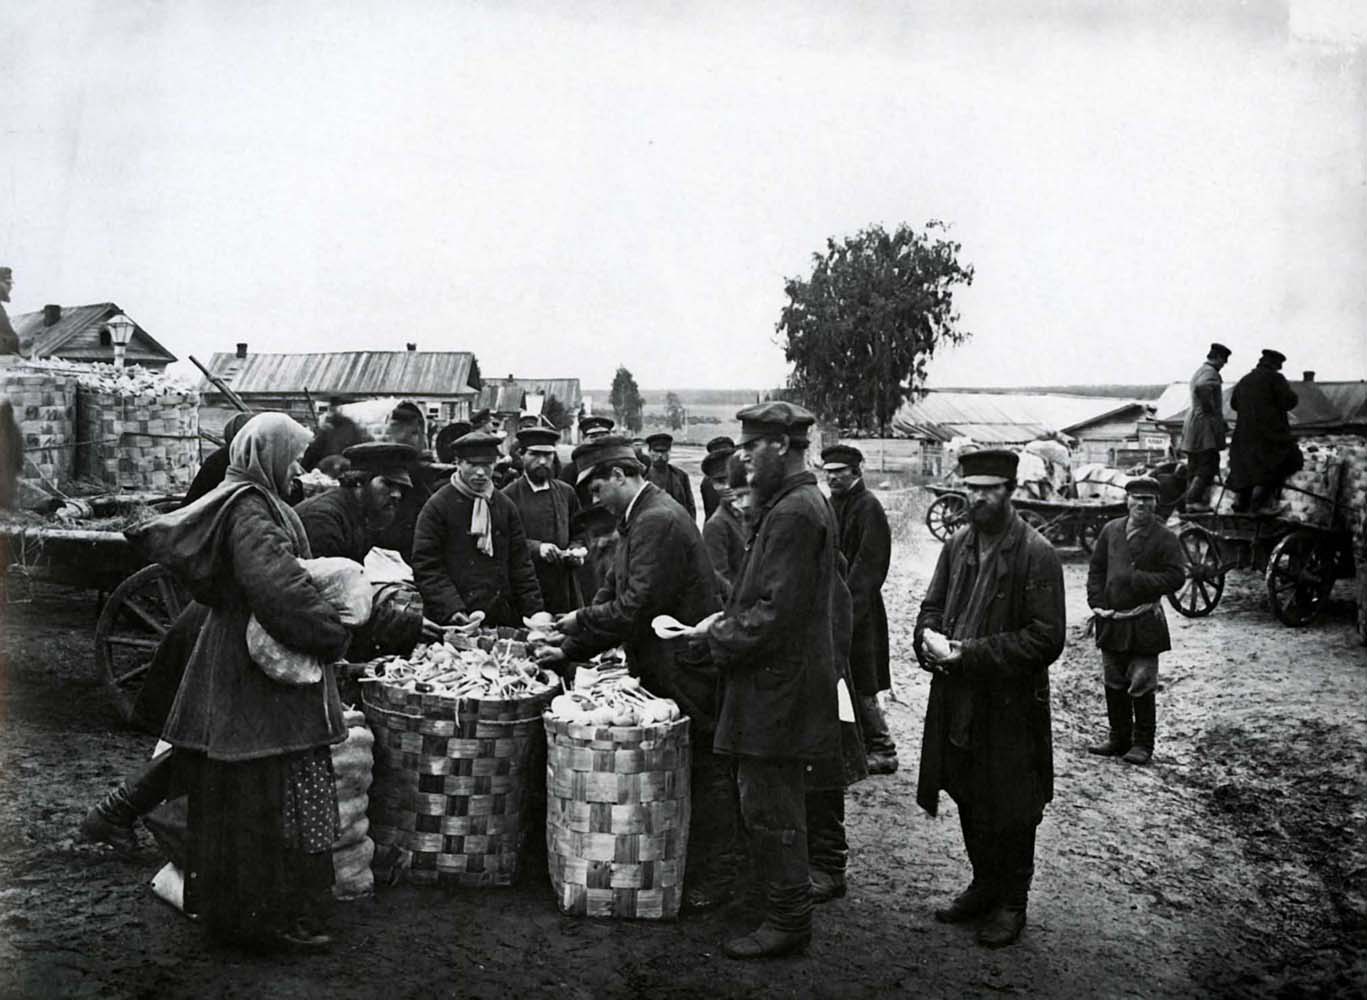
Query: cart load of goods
[[44, 404], [352, 766], [617, 793], [1334, 468], [459, 755]]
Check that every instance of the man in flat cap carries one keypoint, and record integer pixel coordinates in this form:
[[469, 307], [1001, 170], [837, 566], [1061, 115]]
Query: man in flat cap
[[991, 624], [1203, 430], [349, 520], [470, 550], [1264, 451], [591, 428], [670, 478], [707, 487], [724, 531], [1136, 560], [659, 568], [776, 647], [548, 509], [407, 426], [445, 443], [866, 543]]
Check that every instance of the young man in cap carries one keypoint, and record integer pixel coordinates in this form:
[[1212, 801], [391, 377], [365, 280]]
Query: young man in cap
[[866, 543], [724, 533], [707, 488], [349, 520], [548, 508], [1135, 562], [1264, 451], [470, 550], [991, 624], [659, 568], [1203, 430], [669, 478], [591, 428], [775, 645]]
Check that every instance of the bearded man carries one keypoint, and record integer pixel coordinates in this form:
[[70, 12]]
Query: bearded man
[[670, 478], [348, 520], [991, 624], [548, 509], [469, 548]]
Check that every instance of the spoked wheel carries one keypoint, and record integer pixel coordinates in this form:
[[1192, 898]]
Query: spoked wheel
[[944, 516], [131, 626], [1300, 574], [1087, 532], [1205, 581], [1055, 534]]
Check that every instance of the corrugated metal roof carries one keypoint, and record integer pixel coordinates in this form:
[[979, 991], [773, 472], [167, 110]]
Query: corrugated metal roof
[[346, 373], [997, 418], [76, 335], [566, 390]]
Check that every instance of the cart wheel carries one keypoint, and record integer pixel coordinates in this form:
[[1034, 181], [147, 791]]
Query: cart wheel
[[134, 619], [944, 516], [1300, 574], [1205, 581], [1088, 531], [1054, 534]]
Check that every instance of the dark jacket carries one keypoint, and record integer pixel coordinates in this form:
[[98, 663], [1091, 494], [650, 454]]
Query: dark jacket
[[335, 524], [210, 474], [1203, 429], [1005, 672], [11, 454], [776, 644], [1263, 451], [454, 575], [725, 538], [398, 536], [710, 500], [866, 543], [548, 516], [226, 706], [660, 567], [1128, 572], [674, 481]]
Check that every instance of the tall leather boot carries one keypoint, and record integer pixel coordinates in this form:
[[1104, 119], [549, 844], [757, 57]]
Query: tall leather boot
[[1120, 720], [983, 891], [1197, 496], [783, 868], [1015, 858], [1145, 724], [880, 750], [111, 819], [713, 860], [828, 851]]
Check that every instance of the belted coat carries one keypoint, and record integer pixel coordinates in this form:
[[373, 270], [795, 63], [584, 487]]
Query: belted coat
[[1126, 573]]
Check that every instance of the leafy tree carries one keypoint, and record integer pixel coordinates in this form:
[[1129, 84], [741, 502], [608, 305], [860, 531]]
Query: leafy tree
[[674, 411], [626, 400], [476, 382], [860, 331], [554, 411]]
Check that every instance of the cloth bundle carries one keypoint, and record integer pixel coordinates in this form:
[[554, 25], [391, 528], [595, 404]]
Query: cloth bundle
[[343, 584]]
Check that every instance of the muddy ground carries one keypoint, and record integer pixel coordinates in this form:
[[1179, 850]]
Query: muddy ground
[[1236, 865]]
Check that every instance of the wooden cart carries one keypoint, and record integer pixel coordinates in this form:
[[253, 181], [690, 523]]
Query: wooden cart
[[142, 600], [1063, 522]]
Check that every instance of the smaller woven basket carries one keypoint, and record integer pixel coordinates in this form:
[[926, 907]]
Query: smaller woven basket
[[617, 812]]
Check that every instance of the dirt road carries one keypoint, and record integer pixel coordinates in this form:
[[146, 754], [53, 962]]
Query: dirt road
[[1236, 865]]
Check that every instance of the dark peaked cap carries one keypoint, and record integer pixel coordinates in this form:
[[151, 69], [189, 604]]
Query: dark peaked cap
[[989, 467], [841, 455], [1220, 349], [537, 437], [660, 437], [385, 459], [592, 454], [477, 445], [774, 418]]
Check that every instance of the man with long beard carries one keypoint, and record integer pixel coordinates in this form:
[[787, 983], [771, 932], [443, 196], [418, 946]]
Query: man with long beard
[[991, 624], [775, 645], [349, 520], [548, 508]]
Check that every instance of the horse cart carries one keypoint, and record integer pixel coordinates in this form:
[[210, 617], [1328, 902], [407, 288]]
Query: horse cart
[[138, 601], [1062, 522]]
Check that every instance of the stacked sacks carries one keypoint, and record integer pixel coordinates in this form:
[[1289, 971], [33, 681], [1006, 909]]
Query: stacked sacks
[[352, 765], [148, 441], [1335, 467]]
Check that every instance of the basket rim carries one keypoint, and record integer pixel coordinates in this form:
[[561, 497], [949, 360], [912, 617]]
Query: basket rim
[[616, 734]]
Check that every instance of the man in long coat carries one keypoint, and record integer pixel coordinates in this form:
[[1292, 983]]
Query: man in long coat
[[670, 478], [1203, 430], [775, 645], [866, 543], [991, 624], [469, 548], [660, 568], [1136, 560], [548, 508], [1264, 451]]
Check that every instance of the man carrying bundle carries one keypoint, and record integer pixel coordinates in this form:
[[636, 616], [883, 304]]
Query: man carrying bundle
[[548, 508], [1135, 562], [775, 645], [469, 549], [659, 568]]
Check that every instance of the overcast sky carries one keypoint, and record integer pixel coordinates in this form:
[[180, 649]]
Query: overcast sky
[[563, 187]]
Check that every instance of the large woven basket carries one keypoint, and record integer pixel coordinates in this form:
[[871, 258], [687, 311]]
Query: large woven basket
[[453, 781], [617, 812]]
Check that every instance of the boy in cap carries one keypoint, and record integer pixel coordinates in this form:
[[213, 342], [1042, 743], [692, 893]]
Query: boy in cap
[[866, 543], [349, 520], [724, 445], [775, 645], [1203, 430], [669, 478], [991, 624], [548, 509], [1264, 451], [469, 548], [1135, 562], [724, 532]]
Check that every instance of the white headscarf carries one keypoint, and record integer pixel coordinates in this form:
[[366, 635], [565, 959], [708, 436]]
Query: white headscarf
[[265, 451]]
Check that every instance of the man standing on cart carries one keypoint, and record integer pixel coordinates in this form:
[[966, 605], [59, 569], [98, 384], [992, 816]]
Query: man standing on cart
[[1264, 451], [1203, 430]]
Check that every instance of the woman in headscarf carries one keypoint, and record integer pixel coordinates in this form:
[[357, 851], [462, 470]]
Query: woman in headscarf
[[253, 753]]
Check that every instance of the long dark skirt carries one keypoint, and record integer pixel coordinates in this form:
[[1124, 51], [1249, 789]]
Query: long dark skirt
[[254, 867]]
